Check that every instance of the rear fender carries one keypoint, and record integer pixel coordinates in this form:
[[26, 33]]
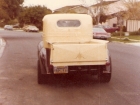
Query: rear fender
[[42, 59], [108, 66]]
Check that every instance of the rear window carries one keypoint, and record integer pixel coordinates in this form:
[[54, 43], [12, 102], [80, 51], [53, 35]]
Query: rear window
[[68, 23]]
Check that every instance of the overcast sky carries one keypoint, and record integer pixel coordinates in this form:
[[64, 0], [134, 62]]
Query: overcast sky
[[55, 4]]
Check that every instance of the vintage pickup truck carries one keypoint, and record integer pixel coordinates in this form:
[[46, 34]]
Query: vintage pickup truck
[[68, 46]]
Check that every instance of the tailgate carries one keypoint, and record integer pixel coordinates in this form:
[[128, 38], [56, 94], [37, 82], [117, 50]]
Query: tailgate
[[78, 54]]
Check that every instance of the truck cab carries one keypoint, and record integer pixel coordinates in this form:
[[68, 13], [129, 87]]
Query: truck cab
[[68, 46]]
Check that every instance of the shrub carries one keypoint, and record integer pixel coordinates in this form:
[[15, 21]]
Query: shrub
[[117, 34], [123, 33], [134, 33]]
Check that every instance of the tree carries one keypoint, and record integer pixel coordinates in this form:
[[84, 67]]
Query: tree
[[103, 18], [9, 11], [3, 13], [33, 15], [13, 7], [97, 10], [133, 11]]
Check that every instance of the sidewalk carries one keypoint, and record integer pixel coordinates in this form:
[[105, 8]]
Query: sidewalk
[[134, 44], [1, 29]]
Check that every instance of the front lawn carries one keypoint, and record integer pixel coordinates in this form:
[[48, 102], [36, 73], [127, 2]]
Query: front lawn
[[126, 39]]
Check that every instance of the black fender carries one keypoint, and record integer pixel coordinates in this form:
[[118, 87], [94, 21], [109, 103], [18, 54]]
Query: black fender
[[44, 57]]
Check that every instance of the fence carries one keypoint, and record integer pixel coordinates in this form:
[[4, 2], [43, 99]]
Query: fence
[[132, 25]]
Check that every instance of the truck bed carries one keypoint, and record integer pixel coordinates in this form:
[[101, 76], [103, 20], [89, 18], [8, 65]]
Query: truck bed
[[87, 53]]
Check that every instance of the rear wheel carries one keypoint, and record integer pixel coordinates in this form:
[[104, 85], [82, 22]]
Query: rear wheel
[[105, 77], [40, 76], [104, 74]]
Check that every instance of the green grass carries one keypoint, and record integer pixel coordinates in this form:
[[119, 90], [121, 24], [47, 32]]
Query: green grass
[[135, 37], [126, 39]]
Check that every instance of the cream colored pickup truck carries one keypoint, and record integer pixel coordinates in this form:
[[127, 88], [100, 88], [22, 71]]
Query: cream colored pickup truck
[[68, 46]]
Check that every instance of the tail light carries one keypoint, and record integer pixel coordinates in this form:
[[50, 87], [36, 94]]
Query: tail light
[[107, 62]]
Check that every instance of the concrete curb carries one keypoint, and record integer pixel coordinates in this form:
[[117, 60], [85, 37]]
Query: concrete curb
[[133, 44], [2, 46]]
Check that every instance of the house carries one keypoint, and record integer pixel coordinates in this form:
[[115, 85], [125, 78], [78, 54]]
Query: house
[[132, 25], [133, 20], [93, 10], [72, 9], [113, 9]]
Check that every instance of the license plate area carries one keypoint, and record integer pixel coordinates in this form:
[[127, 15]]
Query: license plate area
[[60, 69]]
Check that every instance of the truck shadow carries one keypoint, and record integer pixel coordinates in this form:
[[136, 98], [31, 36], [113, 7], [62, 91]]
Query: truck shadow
[[76, 80]]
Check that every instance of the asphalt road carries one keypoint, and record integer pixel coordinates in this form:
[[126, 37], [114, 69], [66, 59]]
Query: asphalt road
[[18, 77]]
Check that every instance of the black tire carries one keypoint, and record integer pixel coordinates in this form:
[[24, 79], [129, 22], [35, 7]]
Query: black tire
[[40, 76], [105, 77], [38, 53]]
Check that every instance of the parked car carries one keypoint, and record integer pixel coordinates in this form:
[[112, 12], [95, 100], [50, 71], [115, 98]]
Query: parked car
[[30, 28], [100, 33], [8, 27], [108, 28], [111, 29]]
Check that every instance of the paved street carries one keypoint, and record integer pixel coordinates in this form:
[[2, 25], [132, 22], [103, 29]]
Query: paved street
[[18, 77]]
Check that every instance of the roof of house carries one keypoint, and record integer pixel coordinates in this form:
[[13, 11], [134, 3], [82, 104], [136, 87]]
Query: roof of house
[[104, 3], [72, 9], [112, 7], [116, 7]]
